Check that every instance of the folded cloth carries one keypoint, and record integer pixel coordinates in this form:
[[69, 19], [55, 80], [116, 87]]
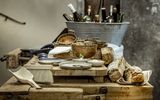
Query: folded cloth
[[60, 49]]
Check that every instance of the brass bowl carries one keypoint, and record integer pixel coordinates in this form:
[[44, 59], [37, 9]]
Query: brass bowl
[[86, 51]]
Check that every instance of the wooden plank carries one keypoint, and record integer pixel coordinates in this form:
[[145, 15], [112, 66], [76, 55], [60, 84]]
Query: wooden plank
[[13, 58], [56, 94], [13, 87], [95, 97], [115, 91], [73, 79], [99, 79], [94, 71]]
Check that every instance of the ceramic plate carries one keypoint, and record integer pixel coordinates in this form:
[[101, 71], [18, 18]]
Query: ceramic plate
[[54, 61], [75, 65], [96, 63], [81, 60]]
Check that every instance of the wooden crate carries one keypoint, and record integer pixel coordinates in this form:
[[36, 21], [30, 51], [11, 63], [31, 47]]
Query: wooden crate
[[75, 91]]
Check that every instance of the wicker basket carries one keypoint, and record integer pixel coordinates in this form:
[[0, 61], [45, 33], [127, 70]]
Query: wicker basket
[[86, 51]]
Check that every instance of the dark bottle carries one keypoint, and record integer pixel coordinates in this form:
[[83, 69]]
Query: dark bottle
[[103, 10], [76, 16], [121, 17], [115, 14], [68, 18], [88, 18], [110, 19]]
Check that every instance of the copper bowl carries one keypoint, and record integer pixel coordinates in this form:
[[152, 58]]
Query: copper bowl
[[85, 50]]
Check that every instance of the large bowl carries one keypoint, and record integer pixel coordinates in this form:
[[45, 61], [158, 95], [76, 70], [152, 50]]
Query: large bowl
[[108, 32]]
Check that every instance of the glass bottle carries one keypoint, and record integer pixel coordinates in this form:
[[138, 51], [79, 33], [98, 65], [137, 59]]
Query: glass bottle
[[76, 16], [88, 18]]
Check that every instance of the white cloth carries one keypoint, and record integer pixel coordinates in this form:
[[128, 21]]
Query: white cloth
[[118, 51], [60, 49]]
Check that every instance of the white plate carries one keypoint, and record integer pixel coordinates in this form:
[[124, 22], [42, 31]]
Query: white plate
[[96, 63], [75, 65], [59, 50], [51, 61], [81, 60]]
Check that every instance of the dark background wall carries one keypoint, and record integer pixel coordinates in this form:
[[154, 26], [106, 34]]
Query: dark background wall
[[142, 40]]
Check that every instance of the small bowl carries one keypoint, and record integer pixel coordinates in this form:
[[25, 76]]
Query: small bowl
[[96, 63]]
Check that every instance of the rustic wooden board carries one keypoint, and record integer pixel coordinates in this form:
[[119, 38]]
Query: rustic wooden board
[[13, 58], [23, 91], [94, 97], [115, 91], [13, 87], [56, 94], [70, 90], [94, 71]]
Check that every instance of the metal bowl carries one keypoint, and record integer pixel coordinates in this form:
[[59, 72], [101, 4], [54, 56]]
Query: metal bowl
[[108, 32]]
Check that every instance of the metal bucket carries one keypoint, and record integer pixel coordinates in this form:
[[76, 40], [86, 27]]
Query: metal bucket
[[108, 32]]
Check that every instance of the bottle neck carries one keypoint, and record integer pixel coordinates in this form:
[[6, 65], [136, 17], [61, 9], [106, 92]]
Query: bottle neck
[[89, 10], [72, 8], [111, 10]]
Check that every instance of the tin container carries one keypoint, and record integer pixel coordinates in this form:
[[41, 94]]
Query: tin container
[[108, 32]]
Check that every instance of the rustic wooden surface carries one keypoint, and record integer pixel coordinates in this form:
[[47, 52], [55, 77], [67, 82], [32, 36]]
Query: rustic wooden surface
[[13, 58], [115, 91], [13, 87], [93, 97], [70, 90], [24, 91], [65, 75], [57, 71], [94, 71], [56, 94], [77, 91]]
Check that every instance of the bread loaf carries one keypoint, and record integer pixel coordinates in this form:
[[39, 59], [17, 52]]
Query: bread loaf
[[116, 69], [134, 75], [107, 54]]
